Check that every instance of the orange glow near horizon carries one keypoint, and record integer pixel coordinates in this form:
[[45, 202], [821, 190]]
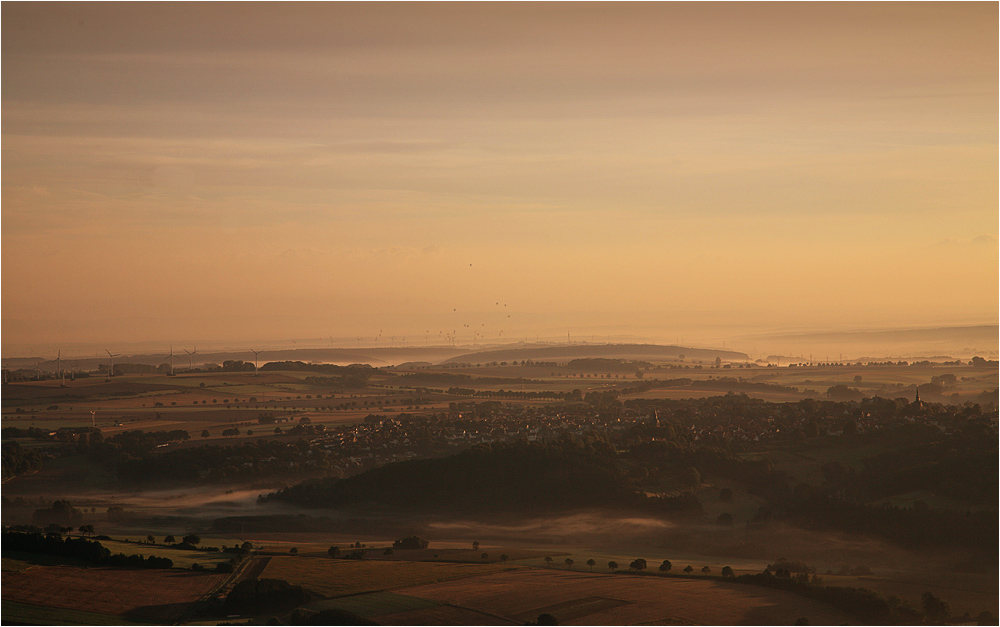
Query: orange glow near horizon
[[252, 172]]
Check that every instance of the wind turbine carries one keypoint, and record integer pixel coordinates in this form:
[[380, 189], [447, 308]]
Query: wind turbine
[[191, 355], [62, 377], [93, 417], [255, 353], [111, 368], [171, 360]]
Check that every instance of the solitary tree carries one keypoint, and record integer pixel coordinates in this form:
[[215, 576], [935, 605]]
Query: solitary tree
[[333, 552], [548, 560], [612, 566], [727, 571], [591, 563], [705, 570], [294, 550], [691, 477], [638, 564], [665, 566], [475, 545], [568, 562], [150, 539], [169, 540], [689, 569], [485, 556], [191, 538], [504, 557], [387, 551], [205, 433]]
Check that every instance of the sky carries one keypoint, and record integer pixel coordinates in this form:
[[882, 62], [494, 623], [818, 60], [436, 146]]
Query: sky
[[249, 173]]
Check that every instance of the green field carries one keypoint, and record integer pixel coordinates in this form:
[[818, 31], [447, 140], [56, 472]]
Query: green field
[[27, 614], [180, 557], [373, 604]]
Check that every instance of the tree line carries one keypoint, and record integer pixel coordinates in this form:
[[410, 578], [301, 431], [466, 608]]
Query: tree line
[[80, 548]]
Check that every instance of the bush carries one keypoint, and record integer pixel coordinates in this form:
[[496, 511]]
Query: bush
[[411, 543]]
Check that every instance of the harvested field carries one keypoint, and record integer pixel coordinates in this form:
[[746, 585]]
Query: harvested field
[[443, 615], [397, 609], [334, 578], [161, 595], [590, 599]]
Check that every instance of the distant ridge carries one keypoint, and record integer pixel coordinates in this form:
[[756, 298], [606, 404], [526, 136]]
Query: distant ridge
[[565, 352], [926, 334], [344, 356]]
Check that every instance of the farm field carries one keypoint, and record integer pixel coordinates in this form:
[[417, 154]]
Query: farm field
[[142, 594], [965, 592], [182, 559], [15, 613], [593, 599], [396, 609], [333, 578]]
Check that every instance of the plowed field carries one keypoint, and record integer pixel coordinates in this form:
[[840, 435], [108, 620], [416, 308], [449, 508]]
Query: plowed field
[[576, 598], [161, 595]]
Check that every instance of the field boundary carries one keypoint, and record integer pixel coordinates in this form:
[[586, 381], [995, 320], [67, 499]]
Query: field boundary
[[241, 572]]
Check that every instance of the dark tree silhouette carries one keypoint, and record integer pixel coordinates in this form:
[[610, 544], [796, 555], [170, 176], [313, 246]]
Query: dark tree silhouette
[[935, 608], [665, 566], [637, 565], [612, 566]]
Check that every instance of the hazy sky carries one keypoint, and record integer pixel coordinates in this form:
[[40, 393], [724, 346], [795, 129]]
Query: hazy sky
[[249, 172]]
